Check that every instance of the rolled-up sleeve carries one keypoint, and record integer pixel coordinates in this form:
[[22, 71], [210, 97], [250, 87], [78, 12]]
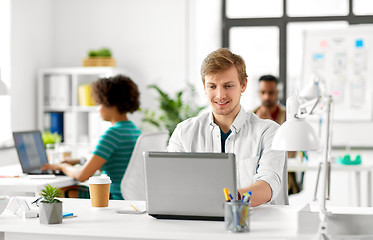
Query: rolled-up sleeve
[[271, 163]]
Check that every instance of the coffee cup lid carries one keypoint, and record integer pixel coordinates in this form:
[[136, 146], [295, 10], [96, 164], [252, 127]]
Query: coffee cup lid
[[102, 179]]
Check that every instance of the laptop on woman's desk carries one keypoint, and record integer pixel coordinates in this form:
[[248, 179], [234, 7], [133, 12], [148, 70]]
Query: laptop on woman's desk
[[31, 152], [188, 185]]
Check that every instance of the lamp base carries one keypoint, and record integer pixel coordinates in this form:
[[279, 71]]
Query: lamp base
[[339, 220]]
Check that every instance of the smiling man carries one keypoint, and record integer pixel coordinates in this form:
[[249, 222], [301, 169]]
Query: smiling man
[[228, 128]]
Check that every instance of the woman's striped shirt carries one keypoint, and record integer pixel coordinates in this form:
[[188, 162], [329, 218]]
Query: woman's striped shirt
[[116, 146]]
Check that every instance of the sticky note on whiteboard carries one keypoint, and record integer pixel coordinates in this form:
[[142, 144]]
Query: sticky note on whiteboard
[[318, 56], [359, 43]]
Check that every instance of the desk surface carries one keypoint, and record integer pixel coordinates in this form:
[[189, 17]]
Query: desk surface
[[266, 222], [23, 184], [360, 185], [271, 222], [314, 160], [295, 165]]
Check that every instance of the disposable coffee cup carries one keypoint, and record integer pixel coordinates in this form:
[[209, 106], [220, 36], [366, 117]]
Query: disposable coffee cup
[[99, 190]]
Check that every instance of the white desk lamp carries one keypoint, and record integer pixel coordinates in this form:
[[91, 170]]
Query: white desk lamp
[[298, 135]]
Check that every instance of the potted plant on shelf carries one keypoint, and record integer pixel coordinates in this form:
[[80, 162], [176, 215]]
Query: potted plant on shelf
[[50, 211], [99, 58]]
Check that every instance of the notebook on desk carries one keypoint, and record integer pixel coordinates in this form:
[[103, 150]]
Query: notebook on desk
[[188, 185], [31, 152]]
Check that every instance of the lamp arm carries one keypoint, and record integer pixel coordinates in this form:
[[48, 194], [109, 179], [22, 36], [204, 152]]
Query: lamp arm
[[314, 106], [326, 153], [303, 113]]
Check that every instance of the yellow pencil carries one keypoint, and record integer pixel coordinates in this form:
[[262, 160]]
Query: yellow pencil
[[134, 208], [226, 194]]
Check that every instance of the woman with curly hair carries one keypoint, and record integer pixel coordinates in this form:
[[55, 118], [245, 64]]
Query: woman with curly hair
[[117, 96]]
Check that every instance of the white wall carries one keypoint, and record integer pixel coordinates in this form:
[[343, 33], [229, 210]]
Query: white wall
[[5, 131], [205, 37], [156, 41], [31, 48]]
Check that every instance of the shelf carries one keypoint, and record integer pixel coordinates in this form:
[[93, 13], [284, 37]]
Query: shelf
[[82, 70], [56, 109], [71, 109], [85, 109], [59, 92]]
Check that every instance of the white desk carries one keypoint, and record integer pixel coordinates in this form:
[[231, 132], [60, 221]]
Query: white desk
[[22, 185], [268, 222], [366, 166]]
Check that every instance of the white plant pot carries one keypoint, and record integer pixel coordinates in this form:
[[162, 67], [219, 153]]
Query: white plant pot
[[50, 213]]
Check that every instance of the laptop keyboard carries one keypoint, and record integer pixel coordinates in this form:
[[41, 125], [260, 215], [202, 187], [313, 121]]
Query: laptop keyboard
[[46, 172]]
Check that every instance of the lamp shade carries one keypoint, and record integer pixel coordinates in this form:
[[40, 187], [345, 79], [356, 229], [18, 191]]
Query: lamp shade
[[311, 91], [295, 135]]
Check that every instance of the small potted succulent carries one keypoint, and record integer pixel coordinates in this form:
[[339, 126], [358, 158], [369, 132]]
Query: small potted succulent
[[50, 211]]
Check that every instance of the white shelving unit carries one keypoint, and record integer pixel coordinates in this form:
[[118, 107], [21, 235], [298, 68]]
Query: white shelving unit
[[58, 92]]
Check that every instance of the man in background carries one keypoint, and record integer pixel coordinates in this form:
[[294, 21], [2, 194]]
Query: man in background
[[272, 109], [268, 93]]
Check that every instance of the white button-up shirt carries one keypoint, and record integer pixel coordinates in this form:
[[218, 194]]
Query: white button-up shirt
[[250, 140]]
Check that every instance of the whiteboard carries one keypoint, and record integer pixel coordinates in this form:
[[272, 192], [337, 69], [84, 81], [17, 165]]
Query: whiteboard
[[343, 58]]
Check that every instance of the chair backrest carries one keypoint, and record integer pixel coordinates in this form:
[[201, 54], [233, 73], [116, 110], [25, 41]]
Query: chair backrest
[[133, 181]]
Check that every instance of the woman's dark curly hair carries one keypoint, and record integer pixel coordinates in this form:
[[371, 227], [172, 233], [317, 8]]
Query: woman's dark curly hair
[[119, 91]]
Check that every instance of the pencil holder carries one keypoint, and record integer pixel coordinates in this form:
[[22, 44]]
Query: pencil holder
[[236, 216]]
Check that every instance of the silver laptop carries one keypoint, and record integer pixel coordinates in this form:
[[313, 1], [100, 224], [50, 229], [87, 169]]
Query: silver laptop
[[188, 185]]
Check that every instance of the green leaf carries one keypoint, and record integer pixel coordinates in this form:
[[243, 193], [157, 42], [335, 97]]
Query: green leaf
[[50, 138], [172, 110], [104, 52], [50, 194]]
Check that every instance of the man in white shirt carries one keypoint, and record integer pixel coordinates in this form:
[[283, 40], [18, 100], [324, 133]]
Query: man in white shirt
[[228, 128]]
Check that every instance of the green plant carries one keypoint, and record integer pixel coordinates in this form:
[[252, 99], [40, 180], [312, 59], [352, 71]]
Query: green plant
[[173, 110], [103, 52], [50, 138], [92, 53], [50, 193]]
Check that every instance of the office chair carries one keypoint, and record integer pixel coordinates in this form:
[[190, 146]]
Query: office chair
[[133, 181]]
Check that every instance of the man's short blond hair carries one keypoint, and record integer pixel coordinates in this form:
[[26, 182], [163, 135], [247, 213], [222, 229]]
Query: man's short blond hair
[[220, 61]]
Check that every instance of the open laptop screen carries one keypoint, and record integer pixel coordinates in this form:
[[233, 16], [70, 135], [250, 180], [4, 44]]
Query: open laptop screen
[[188, 185], [30, 149]]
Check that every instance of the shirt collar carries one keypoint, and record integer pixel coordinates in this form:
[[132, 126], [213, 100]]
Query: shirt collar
[[238, 122], [211, 120]]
